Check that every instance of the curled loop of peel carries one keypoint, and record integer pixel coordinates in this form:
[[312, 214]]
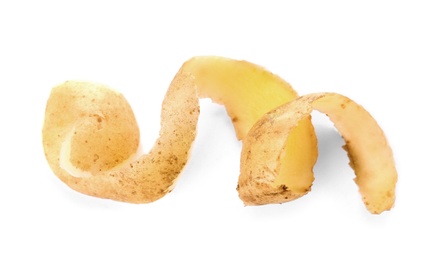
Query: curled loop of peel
[[135, 180], [90, 134], [368, 150]]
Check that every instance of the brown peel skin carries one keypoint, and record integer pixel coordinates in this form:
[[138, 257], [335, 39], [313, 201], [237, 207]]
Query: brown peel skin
[[91, 113], [92, 129], [369, 152], [262, 157]]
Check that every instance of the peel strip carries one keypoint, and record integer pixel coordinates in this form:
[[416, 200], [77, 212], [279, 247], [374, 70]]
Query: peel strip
[[90, 137], [370, 155]]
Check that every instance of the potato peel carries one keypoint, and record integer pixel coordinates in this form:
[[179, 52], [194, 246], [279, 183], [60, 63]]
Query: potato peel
[[142, 180], [90, 136], [370, 155]]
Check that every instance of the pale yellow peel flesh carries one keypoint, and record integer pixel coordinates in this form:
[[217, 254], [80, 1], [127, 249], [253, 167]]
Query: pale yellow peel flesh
[[247, 90], [89, 151], [369, 152]]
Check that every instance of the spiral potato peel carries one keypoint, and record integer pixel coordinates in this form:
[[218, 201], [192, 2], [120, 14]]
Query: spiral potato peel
[[90, 136]]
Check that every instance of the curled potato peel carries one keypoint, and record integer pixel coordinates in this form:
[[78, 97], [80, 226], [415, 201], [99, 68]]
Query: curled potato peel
[[90, 136], [142, 179], [369, 153]]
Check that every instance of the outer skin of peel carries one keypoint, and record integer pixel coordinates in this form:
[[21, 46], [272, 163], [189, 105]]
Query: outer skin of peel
[[264, 154]]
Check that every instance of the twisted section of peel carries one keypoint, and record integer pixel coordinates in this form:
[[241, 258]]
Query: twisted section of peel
[[90, 136], [264, 176]]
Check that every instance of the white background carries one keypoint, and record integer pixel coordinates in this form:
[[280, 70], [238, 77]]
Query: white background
[[386, 55]]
